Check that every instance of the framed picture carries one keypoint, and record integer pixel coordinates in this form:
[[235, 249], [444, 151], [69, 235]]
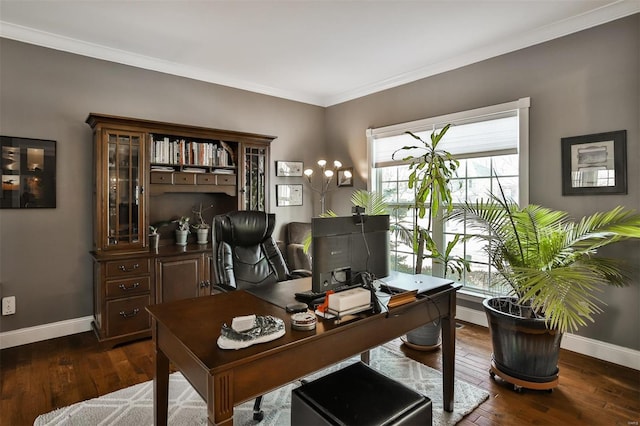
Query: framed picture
[[288, 168], [345, 176], [595, 164], [289, 195], [28, 173]]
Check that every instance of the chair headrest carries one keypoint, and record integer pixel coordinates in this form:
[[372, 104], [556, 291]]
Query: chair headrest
[[244, 227]]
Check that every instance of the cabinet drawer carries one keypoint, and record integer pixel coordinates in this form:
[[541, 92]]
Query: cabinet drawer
[[206, 179], [128, 315], [161, 177], [128, 287], [226, 179], [184, 178], [127, 267]]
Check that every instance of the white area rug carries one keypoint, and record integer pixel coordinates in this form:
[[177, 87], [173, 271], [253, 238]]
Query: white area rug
[[134, 405]]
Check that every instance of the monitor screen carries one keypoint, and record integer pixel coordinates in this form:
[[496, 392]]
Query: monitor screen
[[344, 247]]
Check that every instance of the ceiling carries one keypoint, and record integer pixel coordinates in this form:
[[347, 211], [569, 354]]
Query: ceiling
[[319, 52]]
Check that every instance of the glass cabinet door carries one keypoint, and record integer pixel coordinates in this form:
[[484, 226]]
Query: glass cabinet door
[[124, 201], [255, 173]]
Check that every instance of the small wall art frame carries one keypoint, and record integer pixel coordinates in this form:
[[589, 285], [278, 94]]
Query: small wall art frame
[[344, 176], [595, 164], [289, 168], [289, 195], [28, 173]]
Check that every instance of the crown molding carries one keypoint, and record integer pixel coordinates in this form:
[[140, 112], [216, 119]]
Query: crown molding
[[613, 11]]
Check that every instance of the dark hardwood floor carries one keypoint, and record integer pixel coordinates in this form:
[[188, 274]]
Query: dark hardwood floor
[[40, 377]]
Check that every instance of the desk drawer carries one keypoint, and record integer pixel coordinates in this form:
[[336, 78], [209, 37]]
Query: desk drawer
[[206, 179], [162, 177], [226, 179], [128, 287], [128, 315], [184, 178], [127, 267]]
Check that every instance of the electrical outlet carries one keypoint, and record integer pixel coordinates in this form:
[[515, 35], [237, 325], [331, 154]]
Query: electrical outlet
[[8, 305]]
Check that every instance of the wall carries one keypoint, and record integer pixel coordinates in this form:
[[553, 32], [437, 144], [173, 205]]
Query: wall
[[584, 83], [44, 254]]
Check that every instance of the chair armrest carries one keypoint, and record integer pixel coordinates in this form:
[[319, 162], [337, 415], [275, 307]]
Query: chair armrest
[[300, 273]]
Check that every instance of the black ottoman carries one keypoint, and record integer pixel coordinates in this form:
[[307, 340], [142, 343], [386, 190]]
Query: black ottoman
[[358, 395]]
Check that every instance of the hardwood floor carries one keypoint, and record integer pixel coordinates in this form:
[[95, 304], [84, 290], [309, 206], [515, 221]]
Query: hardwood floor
[[40, 377]]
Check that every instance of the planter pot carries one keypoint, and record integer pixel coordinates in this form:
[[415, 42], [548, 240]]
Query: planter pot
[[203, 235], [181, 237], [524, 349], [427, 335], [154, 239]]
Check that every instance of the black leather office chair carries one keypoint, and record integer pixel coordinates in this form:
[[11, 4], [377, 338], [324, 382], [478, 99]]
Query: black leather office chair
[[246, 255]]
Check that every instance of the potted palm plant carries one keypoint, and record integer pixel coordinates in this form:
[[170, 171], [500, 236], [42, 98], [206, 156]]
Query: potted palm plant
[[548, 265]]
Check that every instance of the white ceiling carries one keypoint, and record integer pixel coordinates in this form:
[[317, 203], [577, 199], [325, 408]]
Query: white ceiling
[[319, 52]]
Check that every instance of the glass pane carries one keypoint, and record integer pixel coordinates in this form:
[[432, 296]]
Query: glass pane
[[255, 175], [112, 218], [506, 165], [479, 167], [478, 189]]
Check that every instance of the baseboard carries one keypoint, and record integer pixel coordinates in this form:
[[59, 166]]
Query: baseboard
[[38, 333], [571, 342]]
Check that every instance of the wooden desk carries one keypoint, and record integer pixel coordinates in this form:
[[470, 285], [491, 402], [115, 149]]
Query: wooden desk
[[185, 333]]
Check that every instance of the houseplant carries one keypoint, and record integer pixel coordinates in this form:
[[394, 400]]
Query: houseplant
[[202, 227], [182, 230], [431, 171], [548, 265]]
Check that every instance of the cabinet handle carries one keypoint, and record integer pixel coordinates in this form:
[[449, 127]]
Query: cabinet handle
[[133, 313], [205, 283], [125, 288], [123, 268]]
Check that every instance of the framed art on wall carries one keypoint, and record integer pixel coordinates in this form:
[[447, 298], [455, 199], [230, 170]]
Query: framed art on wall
[[28, 173], [289, 168], [289, 195], [345, 176], [595, 164]]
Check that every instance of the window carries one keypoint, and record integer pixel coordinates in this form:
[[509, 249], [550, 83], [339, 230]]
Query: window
[[491, 144]]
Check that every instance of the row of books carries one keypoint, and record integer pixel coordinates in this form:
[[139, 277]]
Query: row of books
[[181, 152], [159, 168]]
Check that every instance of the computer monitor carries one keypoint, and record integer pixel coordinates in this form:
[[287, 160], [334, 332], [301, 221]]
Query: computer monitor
[[345, 247]]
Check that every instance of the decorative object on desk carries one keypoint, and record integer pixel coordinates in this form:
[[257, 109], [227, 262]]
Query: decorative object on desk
[[264, 329], [345, 176], [595, 164], [134, 405], [289, 195], [289, 168], [547, 264], [182, 230], [28, 173], [326, 178], [431, 172], [202, 227], [303, 321]]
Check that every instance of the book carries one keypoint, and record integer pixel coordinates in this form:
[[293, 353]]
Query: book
[[398, 299]]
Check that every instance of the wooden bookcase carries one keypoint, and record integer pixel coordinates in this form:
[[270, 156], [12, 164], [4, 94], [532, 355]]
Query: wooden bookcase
[[146, 172]]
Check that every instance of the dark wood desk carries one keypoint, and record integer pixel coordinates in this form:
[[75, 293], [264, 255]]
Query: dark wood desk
[[185, 334]]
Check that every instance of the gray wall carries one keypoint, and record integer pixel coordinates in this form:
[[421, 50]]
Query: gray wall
[[580, 84], [584, 83], [44, 254]]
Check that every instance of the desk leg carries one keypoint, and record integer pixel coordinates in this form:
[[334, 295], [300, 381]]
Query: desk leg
[[449, 355], [160, 385], [220, 399]]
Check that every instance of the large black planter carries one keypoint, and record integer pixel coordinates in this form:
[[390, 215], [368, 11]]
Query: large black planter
[[525, 351]]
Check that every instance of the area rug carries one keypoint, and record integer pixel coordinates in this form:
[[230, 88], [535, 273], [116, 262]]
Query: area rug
[[134, 405]]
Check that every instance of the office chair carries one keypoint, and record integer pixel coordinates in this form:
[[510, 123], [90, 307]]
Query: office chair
[[246, 255]]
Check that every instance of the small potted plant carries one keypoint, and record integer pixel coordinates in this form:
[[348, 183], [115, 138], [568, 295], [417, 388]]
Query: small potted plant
[[182, 230], [202, 227], [154, 235]]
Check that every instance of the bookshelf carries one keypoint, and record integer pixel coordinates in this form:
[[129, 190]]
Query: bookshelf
[[146, 172]]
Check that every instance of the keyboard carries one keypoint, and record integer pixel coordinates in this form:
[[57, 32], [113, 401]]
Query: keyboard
[[311, 296]]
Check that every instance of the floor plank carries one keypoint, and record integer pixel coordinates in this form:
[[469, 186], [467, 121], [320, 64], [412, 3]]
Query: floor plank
[[42, 376]]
